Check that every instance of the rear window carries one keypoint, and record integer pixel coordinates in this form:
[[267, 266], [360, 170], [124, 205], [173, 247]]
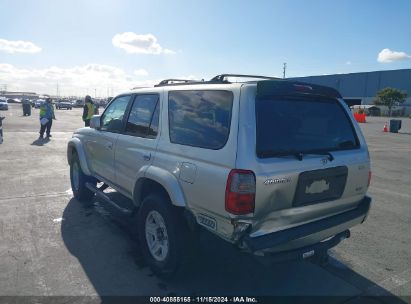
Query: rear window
[[200, 118], [301, 125]]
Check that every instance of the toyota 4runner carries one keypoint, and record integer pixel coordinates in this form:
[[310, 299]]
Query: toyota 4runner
[[277, 168]]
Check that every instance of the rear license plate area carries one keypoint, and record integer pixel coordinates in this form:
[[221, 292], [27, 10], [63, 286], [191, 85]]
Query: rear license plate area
[[320, 185]]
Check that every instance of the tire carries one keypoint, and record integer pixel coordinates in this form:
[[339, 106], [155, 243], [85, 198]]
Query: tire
[[78, 181], [167, 223]]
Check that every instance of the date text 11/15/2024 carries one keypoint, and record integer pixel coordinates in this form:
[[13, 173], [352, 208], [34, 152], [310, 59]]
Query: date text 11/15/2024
[[176, 299]]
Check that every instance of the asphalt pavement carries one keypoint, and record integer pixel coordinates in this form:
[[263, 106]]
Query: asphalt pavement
[[52, 245]]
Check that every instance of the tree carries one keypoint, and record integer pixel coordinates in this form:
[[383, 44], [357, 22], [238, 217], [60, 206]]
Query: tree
[[390, 97]]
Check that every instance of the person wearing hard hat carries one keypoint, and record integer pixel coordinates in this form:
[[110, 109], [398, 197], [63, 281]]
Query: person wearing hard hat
[[46, 118], [88, 110]]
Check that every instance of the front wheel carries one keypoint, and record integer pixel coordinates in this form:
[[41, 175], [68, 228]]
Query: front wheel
[[162, 235], [78, 181]]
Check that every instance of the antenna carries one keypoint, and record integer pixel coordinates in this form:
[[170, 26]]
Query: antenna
[[284, 68]]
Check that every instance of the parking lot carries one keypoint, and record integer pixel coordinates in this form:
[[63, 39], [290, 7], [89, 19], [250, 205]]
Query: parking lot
[[52, 245]]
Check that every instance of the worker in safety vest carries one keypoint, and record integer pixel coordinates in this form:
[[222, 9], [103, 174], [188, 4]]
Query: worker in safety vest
[[46, 118], [88, 110]]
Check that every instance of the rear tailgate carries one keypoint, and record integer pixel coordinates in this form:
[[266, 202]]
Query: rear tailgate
[[309, 156]]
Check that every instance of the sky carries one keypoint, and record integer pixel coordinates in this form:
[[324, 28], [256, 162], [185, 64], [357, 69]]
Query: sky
[[103, 47]]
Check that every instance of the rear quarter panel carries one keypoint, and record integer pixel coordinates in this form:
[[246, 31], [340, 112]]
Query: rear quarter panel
[[204, 182]]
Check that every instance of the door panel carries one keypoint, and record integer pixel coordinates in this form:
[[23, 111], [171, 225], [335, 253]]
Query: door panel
[[136, 147], [101, 154], [101, 145]]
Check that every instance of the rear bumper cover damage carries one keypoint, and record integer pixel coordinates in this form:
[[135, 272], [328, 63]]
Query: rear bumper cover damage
[[285, 236]]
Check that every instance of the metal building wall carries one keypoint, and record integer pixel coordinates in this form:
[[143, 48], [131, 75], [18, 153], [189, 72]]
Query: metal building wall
[[365, 84]]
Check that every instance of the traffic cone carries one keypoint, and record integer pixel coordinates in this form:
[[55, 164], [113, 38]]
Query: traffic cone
[[385, 127]]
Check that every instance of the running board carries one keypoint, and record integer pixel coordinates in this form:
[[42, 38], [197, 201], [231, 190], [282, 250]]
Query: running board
[[107, 199]]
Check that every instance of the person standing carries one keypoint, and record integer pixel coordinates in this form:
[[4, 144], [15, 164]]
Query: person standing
[[46, 118], [88, 110]]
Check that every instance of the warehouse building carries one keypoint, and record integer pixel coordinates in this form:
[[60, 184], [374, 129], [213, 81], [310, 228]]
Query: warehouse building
[[362, 88]]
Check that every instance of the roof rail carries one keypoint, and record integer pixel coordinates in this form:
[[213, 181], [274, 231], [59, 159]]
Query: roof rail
[[138, 87], [221, 78], [173, 81]]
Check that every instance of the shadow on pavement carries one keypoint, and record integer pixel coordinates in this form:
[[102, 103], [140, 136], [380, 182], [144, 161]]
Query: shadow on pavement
[[40, 142], [106, 246]]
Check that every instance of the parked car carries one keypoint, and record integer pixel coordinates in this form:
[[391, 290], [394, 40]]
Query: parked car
[[38, 103], [64, 104], [13, 100], [78, 103], [277, 168], [4, 104]]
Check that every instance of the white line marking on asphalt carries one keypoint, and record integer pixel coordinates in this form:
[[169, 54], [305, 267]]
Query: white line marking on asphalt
[[58, 220], [32, 195], [388, 285]]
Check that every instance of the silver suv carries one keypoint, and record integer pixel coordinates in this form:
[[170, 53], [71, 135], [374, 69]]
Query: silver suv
[[278, 168]]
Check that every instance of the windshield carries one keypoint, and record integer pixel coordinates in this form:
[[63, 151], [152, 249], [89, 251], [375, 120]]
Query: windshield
[[286, 126]]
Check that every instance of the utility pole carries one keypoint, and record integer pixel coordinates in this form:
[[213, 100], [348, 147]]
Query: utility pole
[[284, 68], [3, 88]]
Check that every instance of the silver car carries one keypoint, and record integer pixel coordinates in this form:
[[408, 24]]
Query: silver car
[[3, 104], [278, 168]]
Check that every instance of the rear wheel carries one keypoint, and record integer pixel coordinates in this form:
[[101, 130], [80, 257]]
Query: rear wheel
[[78, 181], [162, 235]]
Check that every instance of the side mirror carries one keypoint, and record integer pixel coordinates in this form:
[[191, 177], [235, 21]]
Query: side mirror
[[95, 122]]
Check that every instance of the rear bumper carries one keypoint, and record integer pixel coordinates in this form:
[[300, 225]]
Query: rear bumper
[[283, 237]]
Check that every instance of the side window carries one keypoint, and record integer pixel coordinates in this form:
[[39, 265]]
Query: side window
[[200, 118], [144, 115], [112, 118]]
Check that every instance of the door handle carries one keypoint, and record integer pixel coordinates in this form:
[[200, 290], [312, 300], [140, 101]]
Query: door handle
[[147, 157], [109, 145]]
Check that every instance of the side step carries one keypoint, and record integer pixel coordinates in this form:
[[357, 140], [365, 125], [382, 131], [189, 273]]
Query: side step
[[99, 192]]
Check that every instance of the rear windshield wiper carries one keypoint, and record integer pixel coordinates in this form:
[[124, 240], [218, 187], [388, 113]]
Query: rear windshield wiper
[[298, 155], [274, 153], [330, 156]]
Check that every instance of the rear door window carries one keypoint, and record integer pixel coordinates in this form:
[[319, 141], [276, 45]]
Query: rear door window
[[144, 115], [200, 118], [288, 125]]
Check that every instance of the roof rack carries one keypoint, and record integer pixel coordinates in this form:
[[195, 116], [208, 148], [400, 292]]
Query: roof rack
[[173, 81], [221, 78], [217, 79]]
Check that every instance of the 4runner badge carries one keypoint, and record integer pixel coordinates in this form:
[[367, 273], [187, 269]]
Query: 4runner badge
[[282, 180]]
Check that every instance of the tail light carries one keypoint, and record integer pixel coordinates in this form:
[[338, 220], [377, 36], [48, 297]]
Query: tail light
[[240, 192], [369, 179]]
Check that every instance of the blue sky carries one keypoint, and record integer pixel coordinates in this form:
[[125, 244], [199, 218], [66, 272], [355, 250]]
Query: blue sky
[[197, 39]]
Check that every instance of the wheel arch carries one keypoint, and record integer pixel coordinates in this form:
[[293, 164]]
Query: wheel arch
[[158, 180], [75, 146]]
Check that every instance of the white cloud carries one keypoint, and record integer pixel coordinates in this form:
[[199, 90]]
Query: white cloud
[[18, 46], [387, 55], [140, 72], [78, 80], [133, 43], [348, 62]]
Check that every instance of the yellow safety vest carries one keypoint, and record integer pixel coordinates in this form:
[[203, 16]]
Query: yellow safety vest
[[90, 110]]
